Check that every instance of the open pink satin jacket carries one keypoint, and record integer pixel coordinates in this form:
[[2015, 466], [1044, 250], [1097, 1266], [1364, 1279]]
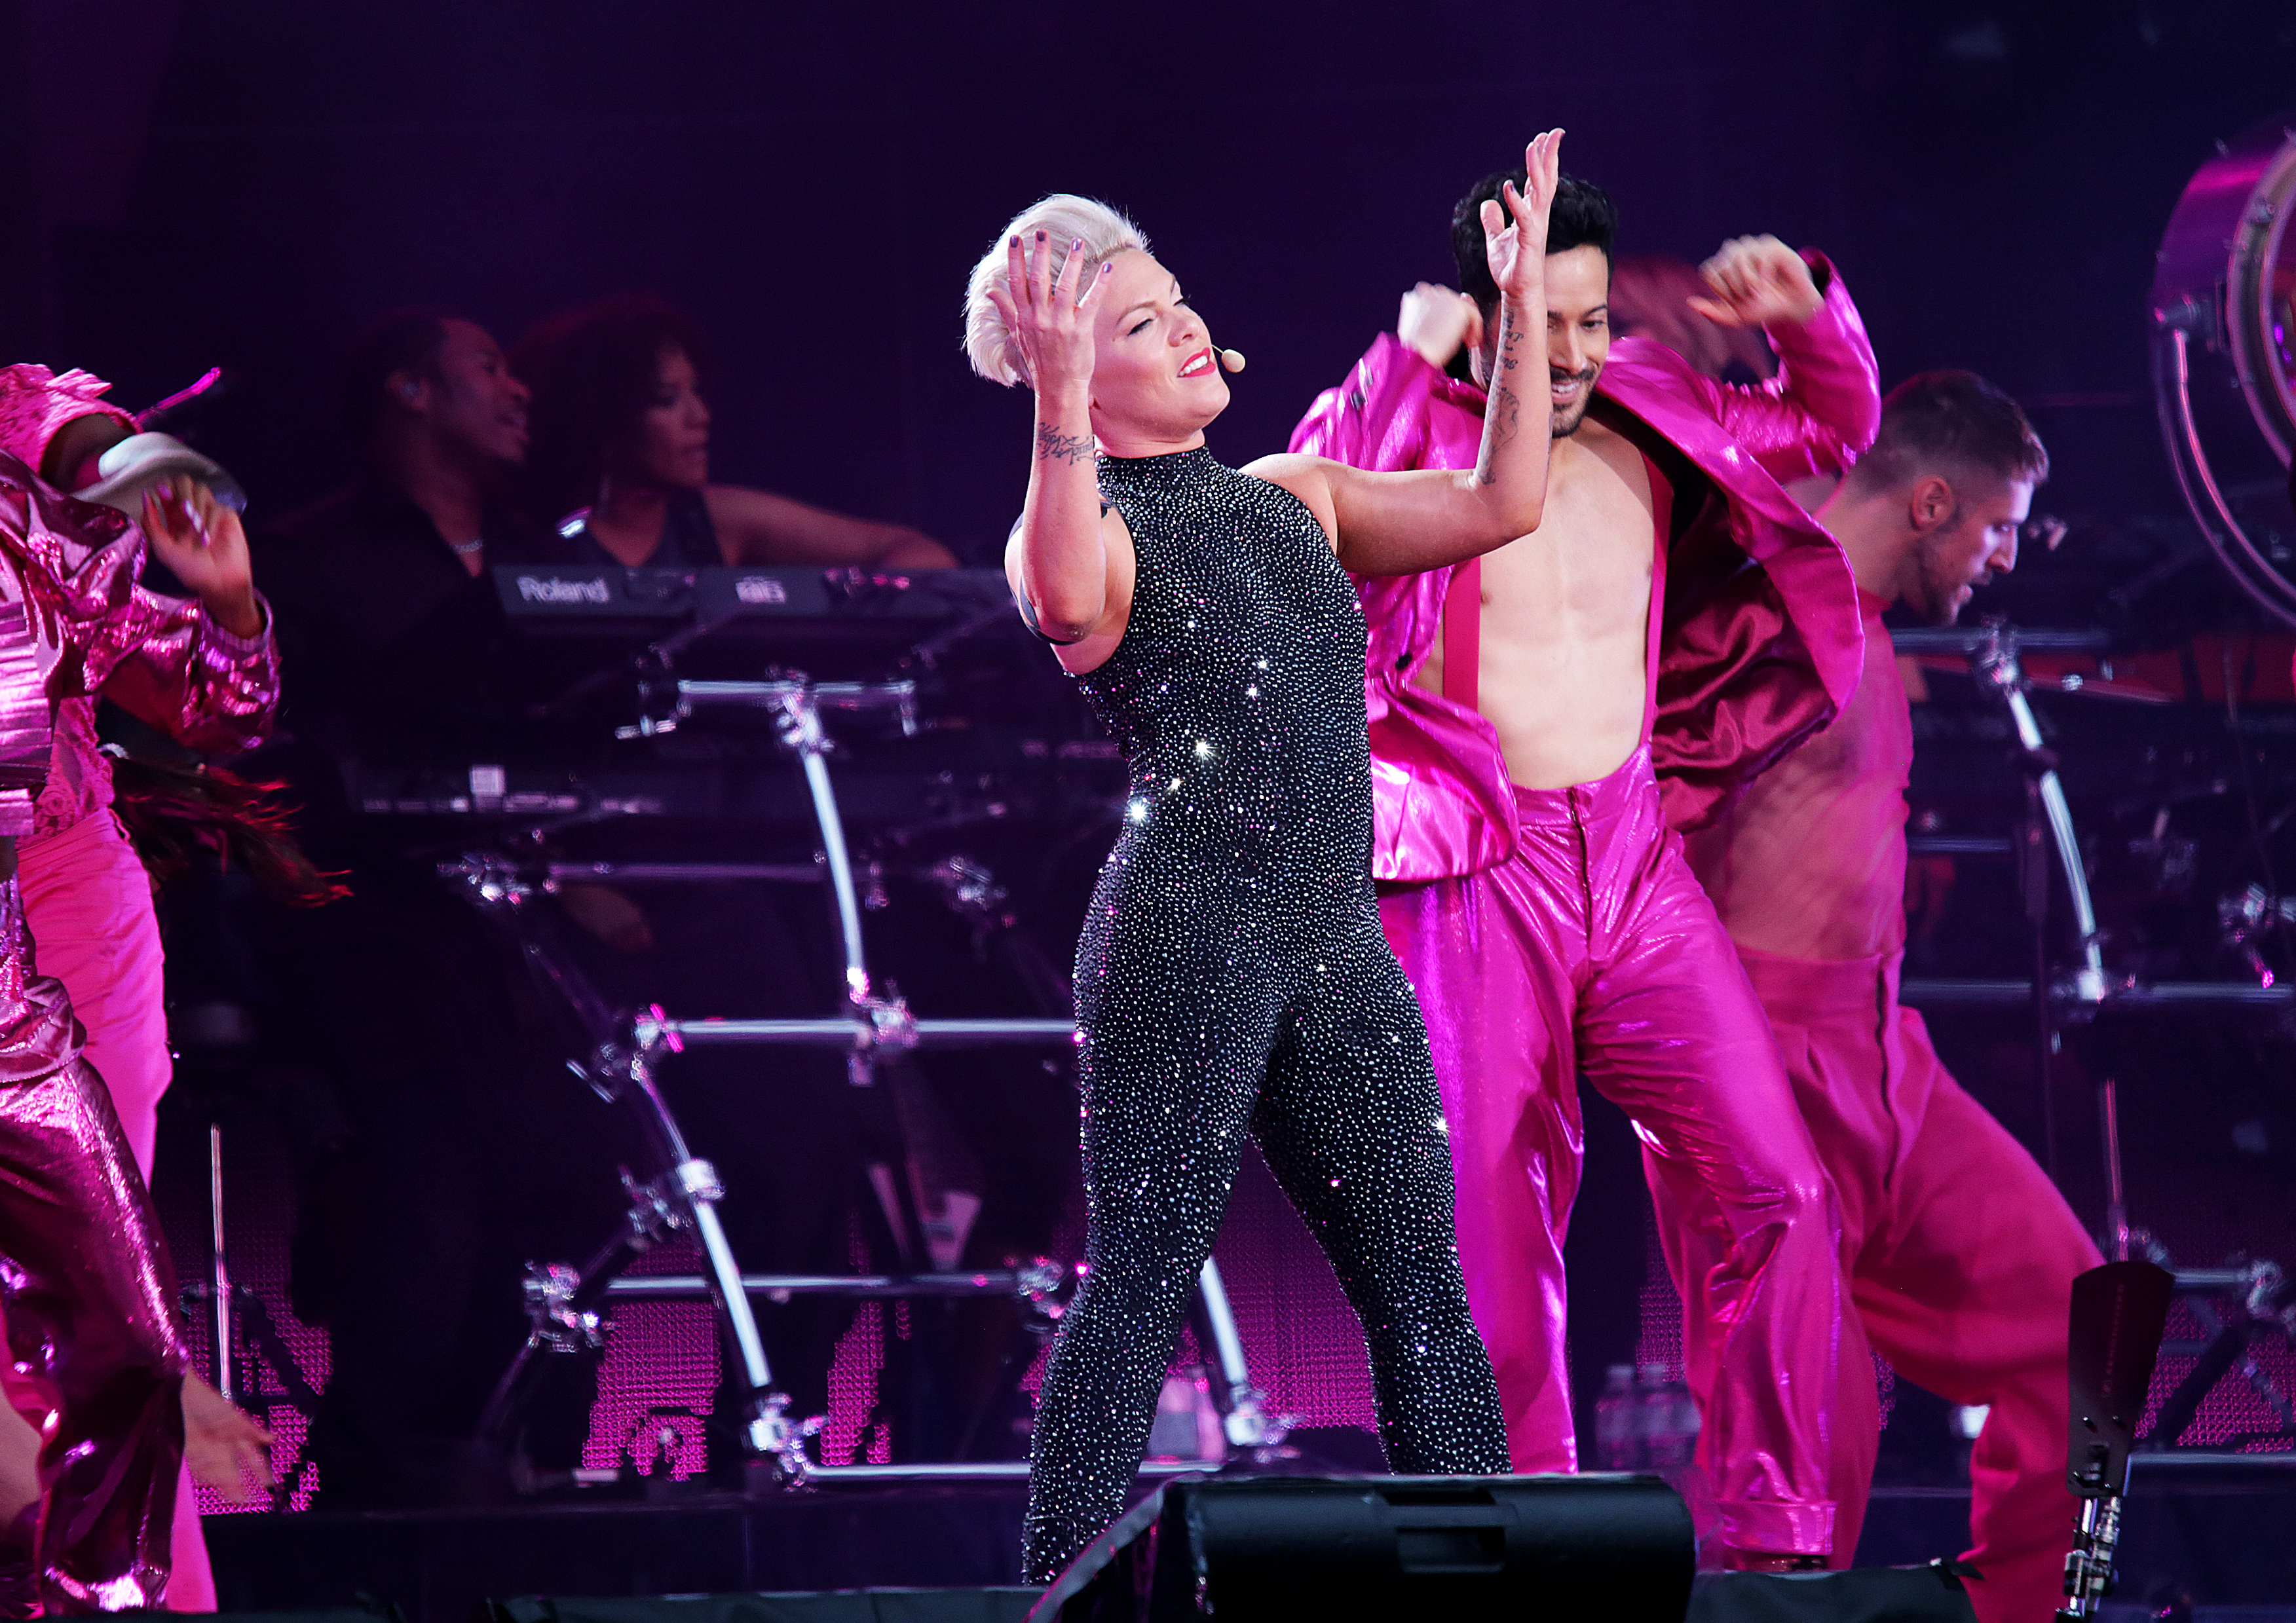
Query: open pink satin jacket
[[93, 630], [161, 658], [1762, 641]]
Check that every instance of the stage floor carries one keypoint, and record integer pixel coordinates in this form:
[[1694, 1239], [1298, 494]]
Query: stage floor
[[2219, 1534]]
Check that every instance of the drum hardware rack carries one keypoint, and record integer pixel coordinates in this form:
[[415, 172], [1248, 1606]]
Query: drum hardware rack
[[2222, 380], [2121, 994], [2261, 1289], [1993, 650], [566, 1305], [236, 1314], [1993, 654]]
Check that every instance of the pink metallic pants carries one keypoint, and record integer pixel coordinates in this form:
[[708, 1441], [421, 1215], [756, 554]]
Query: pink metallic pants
[[88, 900], [1593, 949], [1961, 1255], [90, 1311]]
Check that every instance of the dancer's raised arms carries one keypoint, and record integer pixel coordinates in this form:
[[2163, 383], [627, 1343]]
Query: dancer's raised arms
[[1401, 523]]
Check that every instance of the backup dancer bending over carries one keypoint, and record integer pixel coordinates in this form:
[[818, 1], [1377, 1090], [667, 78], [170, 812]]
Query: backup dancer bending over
[[1232, 977], [1961, 1254]]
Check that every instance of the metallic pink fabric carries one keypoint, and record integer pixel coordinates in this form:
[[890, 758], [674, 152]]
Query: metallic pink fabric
[[89, 1316], [1563, 931], [90, 1304], [87, 898], [187, 676], [35, 403], [1593, 948], [86, 895], [1752, 660], [96, 631], [1961, 1255], [1811, 861]]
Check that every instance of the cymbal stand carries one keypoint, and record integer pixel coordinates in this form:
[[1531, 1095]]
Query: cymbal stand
[[2267, 1299], [1994, 662], [238, 1319]]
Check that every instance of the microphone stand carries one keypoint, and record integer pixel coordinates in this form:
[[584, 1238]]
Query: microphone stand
[[2119, 1313]]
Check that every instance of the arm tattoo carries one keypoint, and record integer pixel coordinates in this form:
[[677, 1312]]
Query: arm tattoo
[[1506, 425], [1509, 340], [1053, 446], [1505, 409]]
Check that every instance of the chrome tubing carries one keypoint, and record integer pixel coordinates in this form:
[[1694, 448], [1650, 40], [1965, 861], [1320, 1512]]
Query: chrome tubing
[[854, 1034]]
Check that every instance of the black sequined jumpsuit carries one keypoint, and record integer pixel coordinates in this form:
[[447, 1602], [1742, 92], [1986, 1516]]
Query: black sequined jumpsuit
[[1231, 978]]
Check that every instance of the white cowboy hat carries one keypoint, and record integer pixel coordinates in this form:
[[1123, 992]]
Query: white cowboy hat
[[141, 461]]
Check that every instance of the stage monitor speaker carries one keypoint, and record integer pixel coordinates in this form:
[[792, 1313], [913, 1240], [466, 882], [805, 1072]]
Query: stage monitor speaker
[[1264, 1549]]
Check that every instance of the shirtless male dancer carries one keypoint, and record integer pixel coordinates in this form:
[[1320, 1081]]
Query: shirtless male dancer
[[1620, 669], [1960, 1252]]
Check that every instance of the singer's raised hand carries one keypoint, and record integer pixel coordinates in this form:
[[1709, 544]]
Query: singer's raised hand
[[1058, 560], [1050, 319]]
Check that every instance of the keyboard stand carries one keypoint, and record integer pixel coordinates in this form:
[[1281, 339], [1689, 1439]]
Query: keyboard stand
[[569, 1306]]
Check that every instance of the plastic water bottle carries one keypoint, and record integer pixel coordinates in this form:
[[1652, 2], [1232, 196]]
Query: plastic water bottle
[[1618, 1422], [1687, 1420], [1669, 1420]]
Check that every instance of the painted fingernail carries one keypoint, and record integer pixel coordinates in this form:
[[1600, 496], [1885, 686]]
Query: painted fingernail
[[1040, 236]]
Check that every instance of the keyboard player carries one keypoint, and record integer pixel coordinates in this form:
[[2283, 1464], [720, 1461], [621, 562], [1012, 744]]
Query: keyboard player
[[449, 1148], [384, 614], [620, 466], [440, 1149]]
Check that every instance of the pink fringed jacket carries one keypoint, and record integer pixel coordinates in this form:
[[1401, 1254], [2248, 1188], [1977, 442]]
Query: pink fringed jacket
[[91, 628], [158, 658]]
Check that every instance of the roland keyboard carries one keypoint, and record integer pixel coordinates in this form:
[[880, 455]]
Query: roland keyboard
[[581, 599], [830, 623]]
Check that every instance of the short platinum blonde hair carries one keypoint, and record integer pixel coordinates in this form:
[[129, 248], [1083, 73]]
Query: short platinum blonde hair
[[1063, 218]]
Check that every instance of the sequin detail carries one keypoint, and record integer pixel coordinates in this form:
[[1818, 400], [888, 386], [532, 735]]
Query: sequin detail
[[1231, 978]]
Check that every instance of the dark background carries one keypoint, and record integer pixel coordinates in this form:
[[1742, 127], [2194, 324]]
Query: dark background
[[192, 182]]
